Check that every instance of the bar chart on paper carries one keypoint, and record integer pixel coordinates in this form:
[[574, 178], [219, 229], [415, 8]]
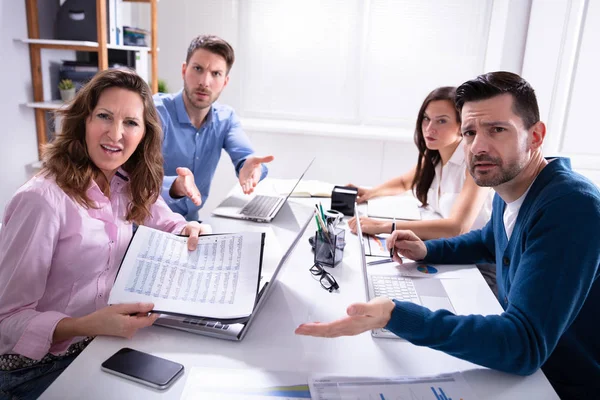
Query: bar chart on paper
[[440, 387]]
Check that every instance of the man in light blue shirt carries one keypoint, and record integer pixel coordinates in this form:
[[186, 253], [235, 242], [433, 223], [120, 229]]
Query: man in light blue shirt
[[196, 129]]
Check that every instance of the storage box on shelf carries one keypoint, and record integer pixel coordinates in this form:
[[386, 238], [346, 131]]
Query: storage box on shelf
[[101, 47]]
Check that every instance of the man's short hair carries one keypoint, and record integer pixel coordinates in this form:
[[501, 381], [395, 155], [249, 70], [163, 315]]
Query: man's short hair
[[215, 45], [494, 84]]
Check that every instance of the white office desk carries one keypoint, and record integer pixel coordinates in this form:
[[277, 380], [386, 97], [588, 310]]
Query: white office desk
[[272, 345]]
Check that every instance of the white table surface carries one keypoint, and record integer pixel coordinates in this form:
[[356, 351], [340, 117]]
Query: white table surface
[[272, 345]]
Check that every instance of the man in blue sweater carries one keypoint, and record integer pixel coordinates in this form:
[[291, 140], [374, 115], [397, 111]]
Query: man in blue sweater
[[196, 130], [543, 237]]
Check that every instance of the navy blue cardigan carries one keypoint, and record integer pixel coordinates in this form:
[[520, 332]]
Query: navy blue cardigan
[[547, 285]]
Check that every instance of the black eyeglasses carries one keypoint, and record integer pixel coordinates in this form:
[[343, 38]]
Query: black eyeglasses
[[326, 279]]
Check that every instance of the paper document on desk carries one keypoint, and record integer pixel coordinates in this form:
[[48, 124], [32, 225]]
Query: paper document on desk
[[217, 280], [399, 207], [304, 188], [376, 247], [232, 384], [439, 387]]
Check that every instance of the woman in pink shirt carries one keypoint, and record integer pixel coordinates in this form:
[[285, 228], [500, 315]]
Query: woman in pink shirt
[[66, 230]]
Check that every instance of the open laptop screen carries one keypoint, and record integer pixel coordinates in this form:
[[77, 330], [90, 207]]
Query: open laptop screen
[[363, 257]]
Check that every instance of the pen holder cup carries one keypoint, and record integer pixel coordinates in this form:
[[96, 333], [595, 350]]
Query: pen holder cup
[[329, 248], [333, 217]]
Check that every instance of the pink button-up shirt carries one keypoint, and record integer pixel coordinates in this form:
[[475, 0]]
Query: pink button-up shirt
[[58, 259]]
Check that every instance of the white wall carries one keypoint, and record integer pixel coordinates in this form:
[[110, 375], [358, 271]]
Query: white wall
[[562, 63], [18, 144], [179, 21]]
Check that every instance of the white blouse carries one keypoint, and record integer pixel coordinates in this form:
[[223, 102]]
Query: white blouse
[[447, 185]]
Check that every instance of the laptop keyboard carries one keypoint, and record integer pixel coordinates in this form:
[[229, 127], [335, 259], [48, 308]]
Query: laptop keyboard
[[260, 206], [206, 322], [394, 287]]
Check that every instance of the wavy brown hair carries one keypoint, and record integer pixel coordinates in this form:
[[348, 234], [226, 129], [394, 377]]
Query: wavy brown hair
[[428, 159], [66, 158]]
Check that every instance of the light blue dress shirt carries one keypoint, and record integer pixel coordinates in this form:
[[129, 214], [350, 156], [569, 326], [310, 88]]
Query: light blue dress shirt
[[198, 149]]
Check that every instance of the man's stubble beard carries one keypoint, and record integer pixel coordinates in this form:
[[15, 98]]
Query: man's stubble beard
[[202, 105], [485, 179]]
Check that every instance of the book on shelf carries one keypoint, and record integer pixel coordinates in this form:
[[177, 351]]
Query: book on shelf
[[218, 280], [78, 66], [114, 15]]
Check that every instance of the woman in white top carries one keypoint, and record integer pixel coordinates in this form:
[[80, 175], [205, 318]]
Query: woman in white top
[[440, 180]]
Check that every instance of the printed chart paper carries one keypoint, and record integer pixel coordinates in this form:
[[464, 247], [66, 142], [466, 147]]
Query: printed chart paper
[[440, 387], [217, 280]]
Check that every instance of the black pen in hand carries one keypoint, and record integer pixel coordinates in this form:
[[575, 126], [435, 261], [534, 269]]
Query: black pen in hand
[[393, 229]]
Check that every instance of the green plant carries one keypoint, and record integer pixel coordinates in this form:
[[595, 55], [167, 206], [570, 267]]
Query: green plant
[[162, 86], [66, 84]]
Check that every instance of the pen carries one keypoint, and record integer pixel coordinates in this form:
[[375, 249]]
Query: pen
[[323, 232], [319, 213], [320, 221], [322, 212], [393, 229]]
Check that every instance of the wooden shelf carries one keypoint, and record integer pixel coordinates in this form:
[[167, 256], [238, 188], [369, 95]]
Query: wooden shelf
[[79, 45], [129, 48], [46, 105], [101, 47]]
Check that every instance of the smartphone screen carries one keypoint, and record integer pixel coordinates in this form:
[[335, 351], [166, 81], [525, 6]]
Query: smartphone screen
[[143, 368]]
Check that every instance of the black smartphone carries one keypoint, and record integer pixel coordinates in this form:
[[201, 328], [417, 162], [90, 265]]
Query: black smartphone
[[143, 368]]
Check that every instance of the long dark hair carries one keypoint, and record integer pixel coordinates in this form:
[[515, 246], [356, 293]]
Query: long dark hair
[[66, 157], [428, 159]]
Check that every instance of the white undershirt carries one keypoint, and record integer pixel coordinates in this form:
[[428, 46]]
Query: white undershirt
[[512, 211], [447, 185]]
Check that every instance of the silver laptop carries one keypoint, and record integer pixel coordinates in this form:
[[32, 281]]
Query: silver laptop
[[279, 243], [260, 208], [384, 280]]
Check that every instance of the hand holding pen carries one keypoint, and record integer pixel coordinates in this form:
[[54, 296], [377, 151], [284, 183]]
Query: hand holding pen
[[386, 260], [407, 244]]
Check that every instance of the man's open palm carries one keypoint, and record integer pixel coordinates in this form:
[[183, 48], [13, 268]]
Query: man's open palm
[[251, 172], [184, 185]]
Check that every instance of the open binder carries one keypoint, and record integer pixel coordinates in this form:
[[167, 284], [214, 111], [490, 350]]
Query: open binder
[[219, 280]]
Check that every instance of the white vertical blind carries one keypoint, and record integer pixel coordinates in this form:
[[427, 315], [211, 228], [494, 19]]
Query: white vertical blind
[[301, 59], [580, 133], [356, 61], [416, 46]]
